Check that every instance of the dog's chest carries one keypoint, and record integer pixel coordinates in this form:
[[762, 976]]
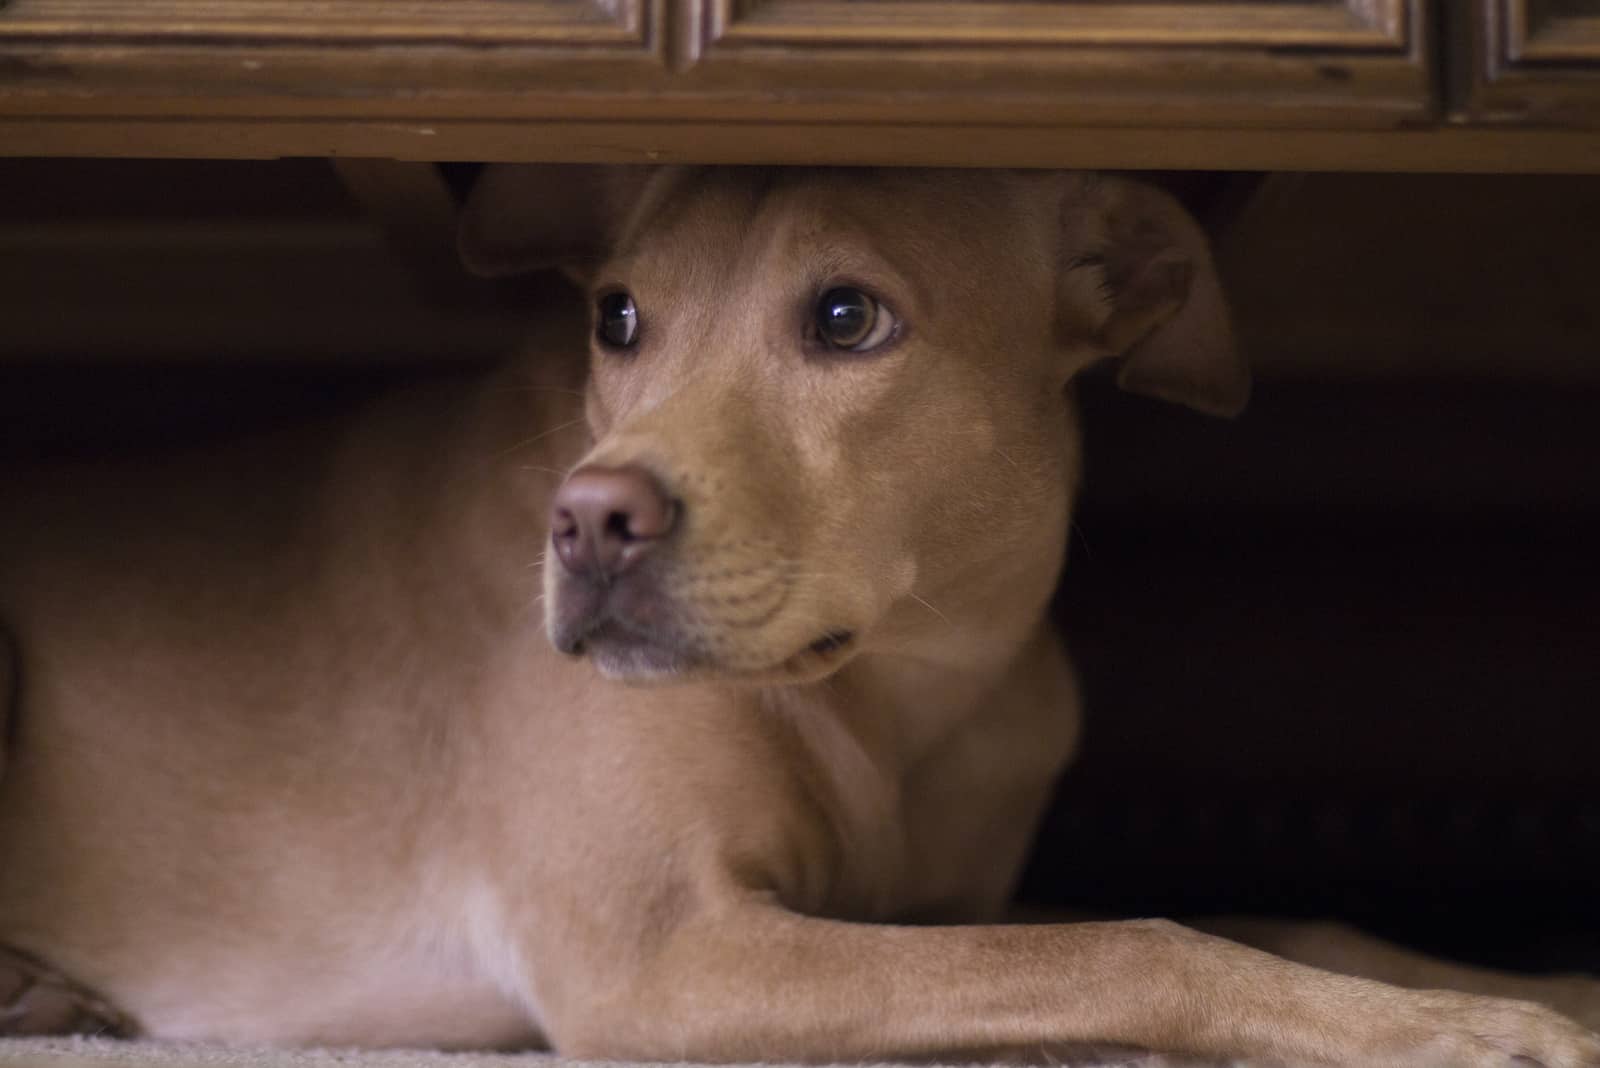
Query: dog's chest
[[948, 831], [942, 842], [374, 997], [966, 837]]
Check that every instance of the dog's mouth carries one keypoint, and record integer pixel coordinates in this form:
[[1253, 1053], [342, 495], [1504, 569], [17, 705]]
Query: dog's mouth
[[831, 647], [624, 651], [620, 652], [634, 631]]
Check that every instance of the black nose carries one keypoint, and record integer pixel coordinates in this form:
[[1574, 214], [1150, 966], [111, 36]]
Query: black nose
[[606, 519]]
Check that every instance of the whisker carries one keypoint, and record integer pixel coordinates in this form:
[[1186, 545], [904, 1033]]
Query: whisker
[[537, 437], [541, 389], [924, 602], [530, 609], [1083, 539]]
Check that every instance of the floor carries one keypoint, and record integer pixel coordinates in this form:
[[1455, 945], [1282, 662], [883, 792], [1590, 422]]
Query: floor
[[90, 1053]]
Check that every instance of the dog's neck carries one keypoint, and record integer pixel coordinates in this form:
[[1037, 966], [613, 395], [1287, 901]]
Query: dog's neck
[[916, 684]]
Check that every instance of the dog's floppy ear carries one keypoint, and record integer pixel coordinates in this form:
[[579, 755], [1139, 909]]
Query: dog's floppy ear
[[526, 216], [1158, 301]]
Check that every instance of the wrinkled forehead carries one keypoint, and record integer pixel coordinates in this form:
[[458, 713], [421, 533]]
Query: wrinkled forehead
[[693, 229], [690, 225]]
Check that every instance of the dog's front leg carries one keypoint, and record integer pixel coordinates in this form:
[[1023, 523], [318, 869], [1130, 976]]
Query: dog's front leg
[[753, 981], [1339, 948]]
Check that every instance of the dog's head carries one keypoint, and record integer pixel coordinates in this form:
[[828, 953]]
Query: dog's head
[[828, 407]]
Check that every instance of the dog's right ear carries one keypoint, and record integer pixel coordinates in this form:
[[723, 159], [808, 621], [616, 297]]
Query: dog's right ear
[[1137, 271], [526, 216]]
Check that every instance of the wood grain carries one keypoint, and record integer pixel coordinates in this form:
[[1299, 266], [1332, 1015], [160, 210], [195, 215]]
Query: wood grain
[[1552, 32], [367, 22], [1324, 63], [1276, 84], [904, 144], [1534, 62], [1328, 24]]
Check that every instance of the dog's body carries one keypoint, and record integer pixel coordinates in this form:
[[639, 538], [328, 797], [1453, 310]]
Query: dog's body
[[295, 761]]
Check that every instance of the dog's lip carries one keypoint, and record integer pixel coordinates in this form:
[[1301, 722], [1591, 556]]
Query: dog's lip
[[621, 650], [632, 613], [607, 629], [832, 642], [604, 625], [824, 652], [626, 630]]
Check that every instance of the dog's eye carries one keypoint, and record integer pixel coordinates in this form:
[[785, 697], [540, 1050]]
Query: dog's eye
[[617, 324], [849, 319]]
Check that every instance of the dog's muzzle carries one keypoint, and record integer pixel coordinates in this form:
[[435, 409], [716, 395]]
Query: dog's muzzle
[[607, 529]]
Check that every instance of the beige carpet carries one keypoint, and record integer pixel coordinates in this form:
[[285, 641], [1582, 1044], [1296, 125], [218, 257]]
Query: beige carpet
[[87, 1052], [105, 1053], [100, 1053]]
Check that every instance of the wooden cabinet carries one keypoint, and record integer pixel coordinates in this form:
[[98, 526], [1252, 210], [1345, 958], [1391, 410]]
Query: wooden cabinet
[[1259, 84], [1535, 62], [1323, 62]]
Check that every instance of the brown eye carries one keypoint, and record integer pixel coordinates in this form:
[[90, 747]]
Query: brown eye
[[617, 321], [847, 318]]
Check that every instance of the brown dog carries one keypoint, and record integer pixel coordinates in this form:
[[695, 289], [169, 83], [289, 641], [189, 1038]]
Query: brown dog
[[293, 759]]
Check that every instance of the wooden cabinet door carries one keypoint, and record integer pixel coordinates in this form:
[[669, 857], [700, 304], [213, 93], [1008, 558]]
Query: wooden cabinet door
[[1181, 62], [1535, 62], [195, 57]]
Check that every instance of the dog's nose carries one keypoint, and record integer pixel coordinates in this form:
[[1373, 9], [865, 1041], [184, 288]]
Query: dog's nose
[[607, 518]]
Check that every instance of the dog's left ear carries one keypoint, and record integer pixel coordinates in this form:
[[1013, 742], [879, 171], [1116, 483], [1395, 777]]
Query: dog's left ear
[[522, 216], [1143, 265]]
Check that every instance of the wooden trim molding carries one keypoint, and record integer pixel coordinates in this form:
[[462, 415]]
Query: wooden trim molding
[[1333, 63], [1379, 25], [1442, 149], [269, 58], [365, 22], [1535, 62], [1551, 33]]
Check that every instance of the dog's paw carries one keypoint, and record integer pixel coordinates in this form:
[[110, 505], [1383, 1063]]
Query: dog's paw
[[36, 1000], [1575, 996], [1443, 1028]]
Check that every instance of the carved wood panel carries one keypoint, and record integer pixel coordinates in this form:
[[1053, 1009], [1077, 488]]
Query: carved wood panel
[[301, 22], [1535, 62], [215, 51], [1335, 62]]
